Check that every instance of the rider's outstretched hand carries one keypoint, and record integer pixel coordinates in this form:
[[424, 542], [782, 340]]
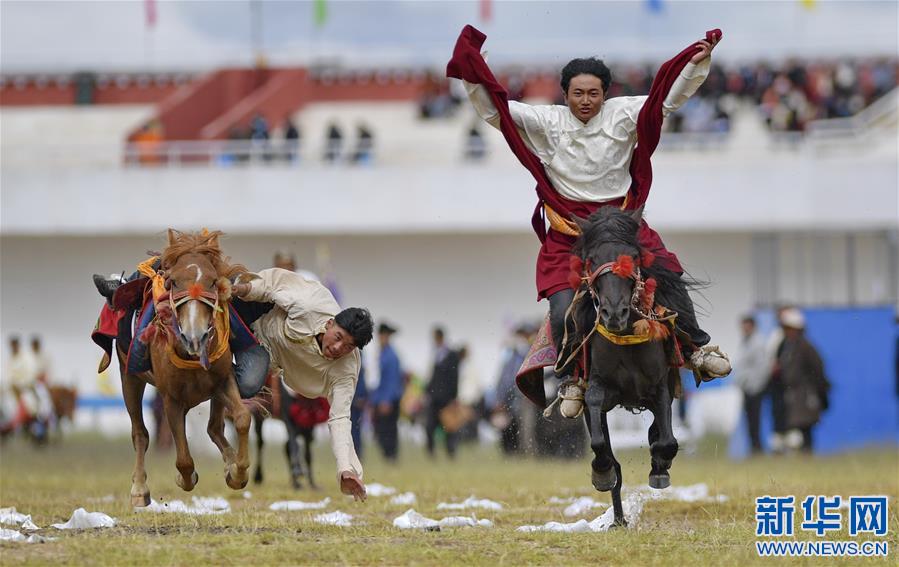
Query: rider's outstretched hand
[[351, 484], [705, 49]]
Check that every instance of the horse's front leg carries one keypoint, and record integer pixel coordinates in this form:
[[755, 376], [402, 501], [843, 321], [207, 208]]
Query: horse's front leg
[[662, 444], [133, 392], [604, 475], [237, 475], [175, 412]]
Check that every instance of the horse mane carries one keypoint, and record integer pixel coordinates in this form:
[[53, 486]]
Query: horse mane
[[607, 225], [205, 243], [613, 225]]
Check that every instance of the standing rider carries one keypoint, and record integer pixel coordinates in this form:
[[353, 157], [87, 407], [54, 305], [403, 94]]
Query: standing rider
[[586, 150]]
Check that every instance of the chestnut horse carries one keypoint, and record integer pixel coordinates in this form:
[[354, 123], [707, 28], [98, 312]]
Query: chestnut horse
[[191, 359]]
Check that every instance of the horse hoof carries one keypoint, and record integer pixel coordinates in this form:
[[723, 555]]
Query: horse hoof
[[659, 480], [236, 481], [140, 500], [194, 479], [618, 523], [604, 481]]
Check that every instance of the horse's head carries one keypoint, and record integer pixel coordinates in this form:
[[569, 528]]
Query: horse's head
[[610, 257], [191, 264]]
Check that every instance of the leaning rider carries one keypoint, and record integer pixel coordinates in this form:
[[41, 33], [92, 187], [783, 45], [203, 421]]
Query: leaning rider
[[586, 150], [306, 334]]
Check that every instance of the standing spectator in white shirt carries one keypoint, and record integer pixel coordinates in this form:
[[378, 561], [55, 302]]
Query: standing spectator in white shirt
[[752, 370]]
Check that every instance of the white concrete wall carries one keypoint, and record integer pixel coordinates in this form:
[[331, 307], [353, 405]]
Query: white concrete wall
[[477, 285]]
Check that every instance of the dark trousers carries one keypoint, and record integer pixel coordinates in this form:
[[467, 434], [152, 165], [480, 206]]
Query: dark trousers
[[432, 422], [752, 403], [386, 431], [356, 414], [558, 305], [778, 405], [509, 437], [806, 439]]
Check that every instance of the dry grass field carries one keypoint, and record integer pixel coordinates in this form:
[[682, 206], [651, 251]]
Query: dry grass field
[[94, 473]]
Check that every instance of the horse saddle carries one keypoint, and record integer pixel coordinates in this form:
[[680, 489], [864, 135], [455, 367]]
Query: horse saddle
[[542, 353], [116, 324]]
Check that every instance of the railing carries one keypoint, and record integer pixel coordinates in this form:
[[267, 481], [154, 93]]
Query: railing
[[883, 111], [224, 153], [404, 151]]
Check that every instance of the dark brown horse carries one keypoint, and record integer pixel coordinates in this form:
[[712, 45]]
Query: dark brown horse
[[278, 403], [627, 343], [191, 359]]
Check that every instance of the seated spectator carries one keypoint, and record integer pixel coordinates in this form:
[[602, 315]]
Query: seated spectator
[[436, 100], [365, 141], [334, 143], [291, 141], [148, 143], [475, 146], [259, 134]]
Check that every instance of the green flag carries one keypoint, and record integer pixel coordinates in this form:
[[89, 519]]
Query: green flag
[[321, 12]]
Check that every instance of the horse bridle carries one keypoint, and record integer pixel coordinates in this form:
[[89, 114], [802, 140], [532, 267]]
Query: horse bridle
[[177, 299], [609, 267]]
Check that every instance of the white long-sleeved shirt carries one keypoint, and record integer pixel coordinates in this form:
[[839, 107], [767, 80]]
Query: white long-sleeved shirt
[[587, 162], [752, 365], [302, 309]]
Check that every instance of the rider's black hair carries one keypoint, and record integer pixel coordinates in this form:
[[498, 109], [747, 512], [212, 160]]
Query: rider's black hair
[[358, 323], [588, 66]]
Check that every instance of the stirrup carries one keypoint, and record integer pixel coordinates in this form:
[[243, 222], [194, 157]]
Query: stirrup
[[709, 362], [562, 397]]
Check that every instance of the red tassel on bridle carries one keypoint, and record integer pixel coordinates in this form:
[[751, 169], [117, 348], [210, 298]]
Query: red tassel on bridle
[[577, 271], [195, 291], [623, 267], [649, 294]]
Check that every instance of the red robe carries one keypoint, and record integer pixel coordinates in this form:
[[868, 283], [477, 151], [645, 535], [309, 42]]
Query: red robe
[[553, 260]]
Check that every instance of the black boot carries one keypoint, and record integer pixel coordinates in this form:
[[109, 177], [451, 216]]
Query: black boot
[[106, 287]]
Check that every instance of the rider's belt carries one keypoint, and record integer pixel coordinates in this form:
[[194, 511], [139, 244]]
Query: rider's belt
[[559, 223]]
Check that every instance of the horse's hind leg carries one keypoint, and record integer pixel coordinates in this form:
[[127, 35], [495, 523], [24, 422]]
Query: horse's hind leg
[[292, 451], [662, 444], [604, 475], [187, 476], [237, 475], [616, 490], [133, 392], [258, 420], [307, 441]]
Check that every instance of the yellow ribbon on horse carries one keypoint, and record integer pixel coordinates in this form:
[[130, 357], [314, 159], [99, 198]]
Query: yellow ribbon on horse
[[158, 282], [622, 339]]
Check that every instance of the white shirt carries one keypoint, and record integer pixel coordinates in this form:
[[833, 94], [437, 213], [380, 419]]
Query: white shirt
[[302, 309], [21, 370], [752, 365], [587, 162]]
